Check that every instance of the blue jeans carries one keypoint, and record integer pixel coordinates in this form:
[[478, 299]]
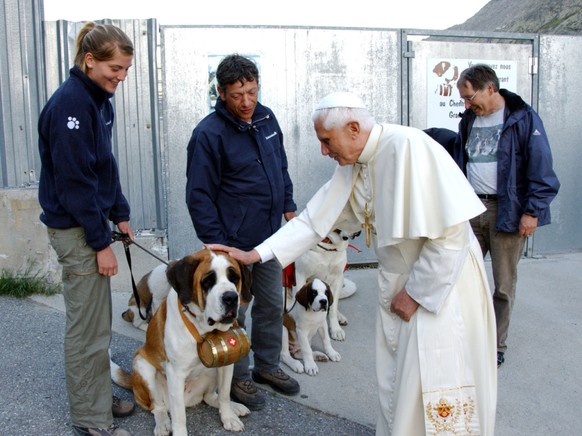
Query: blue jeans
[[87, 297], [267, 320], [505, 250]]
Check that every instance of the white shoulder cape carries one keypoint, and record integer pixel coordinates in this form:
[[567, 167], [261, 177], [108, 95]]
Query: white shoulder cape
[[419, 191]]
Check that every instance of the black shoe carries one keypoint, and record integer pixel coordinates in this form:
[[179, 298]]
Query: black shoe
[[122, 408], [500, 358], [113, 430], [245, 392], [278, 380]]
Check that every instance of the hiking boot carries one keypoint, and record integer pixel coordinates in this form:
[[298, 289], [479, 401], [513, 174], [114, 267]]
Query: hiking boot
[[122, 408], [278, 380], [500, 358], [246, 392], [112, 430]]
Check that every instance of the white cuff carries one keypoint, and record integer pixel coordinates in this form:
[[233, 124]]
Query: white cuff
[[265, 252]]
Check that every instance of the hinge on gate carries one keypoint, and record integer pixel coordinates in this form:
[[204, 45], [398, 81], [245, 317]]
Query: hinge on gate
[[533, 65], [408, 54]]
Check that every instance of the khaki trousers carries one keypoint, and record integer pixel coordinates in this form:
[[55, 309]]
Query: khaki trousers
[[87, 297], [505, 250]]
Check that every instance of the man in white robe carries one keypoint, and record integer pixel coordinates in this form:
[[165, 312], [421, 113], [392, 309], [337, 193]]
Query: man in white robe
[[435, 338]]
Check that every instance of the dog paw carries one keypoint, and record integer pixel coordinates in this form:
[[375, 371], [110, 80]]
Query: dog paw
[[334, 356], [232, 423], [320, 357], [337, 334], [163, 423], [311, 368], [239, 409], [299, 369], [164, 429], [161, 432], [295, 365]]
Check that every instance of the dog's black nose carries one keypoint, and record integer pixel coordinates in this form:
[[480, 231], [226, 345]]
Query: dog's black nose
[[323, 304], [230, 299]]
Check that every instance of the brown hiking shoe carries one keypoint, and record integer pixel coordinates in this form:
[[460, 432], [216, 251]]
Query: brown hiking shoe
[[246, 392], [112, 430], [278, 380], [122, 408]]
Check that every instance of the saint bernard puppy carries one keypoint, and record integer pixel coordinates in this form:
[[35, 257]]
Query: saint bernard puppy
[[152, 289], [307, 315], [327, 261], [167, 373]]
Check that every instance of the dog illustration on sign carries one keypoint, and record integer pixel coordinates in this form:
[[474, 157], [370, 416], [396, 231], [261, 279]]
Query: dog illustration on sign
[[449, 74]]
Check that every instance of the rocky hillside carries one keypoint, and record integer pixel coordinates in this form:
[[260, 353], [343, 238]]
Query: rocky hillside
[[559, 17]]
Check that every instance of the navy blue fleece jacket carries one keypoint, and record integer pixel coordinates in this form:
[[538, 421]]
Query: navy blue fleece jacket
[[238, 187], [79, 181]]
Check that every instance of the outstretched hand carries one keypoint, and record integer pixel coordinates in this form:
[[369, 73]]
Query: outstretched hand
[[246, 257]]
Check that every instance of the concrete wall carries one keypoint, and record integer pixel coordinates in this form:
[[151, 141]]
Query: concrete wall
[[25, 247], [24, 244]]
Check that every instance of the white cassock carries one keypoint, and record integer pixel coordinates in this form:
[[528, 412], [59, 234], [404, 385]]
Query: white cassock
[[437, 373]]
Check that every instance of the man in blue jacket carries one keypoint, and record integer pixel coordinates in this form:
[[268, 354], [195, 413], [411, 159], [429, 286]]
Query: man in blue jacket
[[503, 149], [238, 190]]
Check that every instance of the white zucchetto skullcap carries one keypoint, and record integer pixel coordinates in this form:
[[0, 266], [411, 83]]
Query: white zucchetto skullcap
[[340, 99]]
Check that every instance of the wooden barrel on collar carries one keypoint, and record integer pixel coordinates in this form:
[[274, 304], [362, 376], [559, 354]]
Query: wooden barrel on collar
[[223, 348]]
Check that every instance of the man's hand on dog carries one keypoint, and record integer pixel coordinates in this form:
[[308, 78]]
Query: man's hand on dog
[[246, 257]]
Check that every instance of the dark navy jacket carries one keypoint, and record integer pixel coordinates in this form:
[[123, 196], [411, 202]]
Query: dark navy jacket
[[79, 180], [526, 181], [238, 186]]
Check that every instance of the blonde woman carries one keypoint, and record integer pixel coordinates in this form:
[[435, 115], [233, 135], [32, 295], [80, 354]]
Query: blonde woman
[[80, 194]]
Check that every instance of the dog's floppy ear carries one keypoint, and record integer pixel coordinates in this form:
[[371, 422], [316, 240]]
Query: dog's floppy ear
[[302, 295], [246, 282], [180, 275]]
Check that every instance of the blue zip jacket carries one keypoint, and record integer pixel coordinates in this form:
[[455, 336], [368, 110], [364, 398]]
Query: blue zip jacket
[[79, 180], [238, 187], [526, 181]]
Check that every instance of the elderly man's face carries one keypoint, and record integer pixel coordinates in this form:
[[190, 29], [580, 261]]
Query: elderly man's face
[[481, 101], [343, 144]]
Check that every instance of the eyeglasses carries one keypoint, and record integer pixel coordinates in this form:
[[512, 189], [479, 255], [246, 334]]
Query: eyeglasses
[[470, 99]]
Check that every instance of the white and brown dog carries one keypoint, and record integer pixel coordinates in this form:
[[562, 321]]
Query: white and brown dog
[[152, 289], [307, 315], [167, 373], [327, 261]]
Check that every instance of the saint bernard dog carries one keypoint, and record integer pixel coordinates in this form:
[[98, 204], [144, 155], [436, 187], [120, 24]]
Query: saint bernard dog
[[307, 315], [327, 261], [152, 289], [167, 373]]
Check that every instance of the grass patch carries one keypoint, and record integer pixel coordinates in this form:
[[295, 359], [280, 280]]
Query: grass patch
[[26, 283]]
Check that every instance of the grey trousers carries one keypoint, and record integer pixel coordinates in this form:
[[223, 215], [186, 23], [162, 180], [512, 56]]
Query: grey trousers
[[87, 297], [505, 250], [267, 320]]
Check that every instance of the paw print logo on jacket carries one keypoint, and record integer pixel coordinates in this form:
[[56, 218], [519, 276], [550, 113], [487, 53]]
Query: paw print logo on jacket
[[73, 123]]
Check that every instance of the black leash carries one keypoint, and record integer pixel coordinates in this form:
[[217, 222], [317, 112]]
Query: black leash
[[124, 237]]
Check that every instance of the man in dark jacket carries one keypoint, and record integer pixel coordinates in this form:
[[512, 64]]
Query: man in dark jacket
[[238, 191], [445, 137], [504, 151]]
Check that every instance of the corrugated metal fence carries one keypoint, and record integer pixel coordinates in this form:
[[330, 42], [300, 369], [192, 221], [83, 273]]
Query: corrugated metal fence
[[298, 66], [27, 79], [21, 90]]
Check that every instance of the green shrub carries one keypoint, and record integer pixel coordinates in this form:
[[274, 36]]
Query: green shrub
[[26, 283]]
